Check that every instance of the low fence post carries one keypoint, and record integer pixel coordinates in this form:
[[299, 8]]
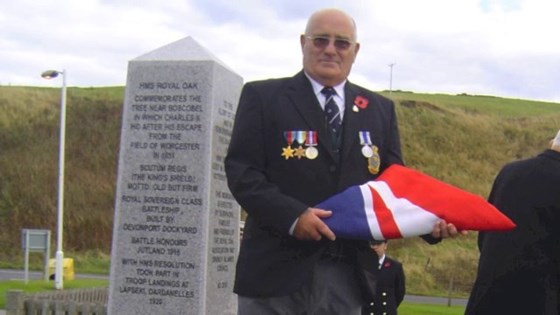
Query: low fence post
[[14, 302], [450, 292], [69, 302]]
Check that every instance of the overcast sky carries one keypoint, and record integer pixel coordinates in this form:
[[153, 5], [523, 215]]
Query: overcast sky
[[507, 48]]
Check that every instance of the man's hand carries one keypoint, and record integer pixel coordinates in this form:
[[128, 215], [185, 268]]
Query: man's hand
[[310, 227], [443, 229]]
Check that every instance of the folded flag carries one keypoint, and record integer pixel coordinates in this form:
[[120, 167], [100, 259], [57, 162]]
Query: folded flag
[[403, 202]]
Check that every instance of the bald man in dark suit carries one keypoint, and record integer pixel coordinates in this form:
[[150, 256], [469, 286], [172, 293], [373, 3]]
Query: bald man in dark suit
[[286, 155]]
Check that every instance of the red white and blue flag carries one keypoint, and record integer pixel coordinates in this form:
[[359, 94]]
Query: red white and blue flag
[[403, 202]]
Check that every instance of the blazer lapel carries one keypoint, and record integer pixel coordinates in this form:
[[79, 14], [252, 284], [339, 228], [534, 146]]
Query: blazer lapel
[[350, 123], [301, 93]]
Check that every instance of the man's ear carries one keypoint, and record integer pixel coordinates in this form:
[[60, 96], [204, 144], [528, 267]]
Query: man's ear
[[356, 49], [302, 41]]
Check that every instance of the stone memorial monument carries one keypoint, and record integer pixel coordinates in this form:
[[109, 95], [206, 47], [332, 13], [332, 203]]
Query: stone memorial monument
[[176, 227]]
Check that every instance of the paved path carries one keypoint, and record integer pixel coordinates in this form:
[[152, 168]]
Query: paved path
[[14, 274]]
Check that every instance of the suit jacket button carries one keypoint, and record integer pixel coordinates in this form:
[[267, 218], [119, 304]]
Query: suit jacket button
[[332, 168]]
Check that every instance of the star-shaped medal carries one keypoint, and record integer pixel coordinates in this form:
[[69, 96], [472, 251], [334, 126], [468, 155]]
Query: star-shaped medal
[[287, 152], [299, 152]]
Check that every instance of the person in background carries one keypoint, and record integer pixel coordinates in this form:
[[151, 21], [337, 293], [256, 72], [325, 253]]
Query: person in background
[[519, 270], [295, 142], [390, 287]]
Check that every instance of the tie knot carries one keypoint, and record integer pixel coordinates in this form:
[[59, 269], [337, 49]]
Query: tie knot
[[328, 92]]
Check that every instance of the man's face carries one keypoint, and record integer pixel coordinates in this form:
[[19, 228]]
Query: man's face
[[329, 63], [379, 248]]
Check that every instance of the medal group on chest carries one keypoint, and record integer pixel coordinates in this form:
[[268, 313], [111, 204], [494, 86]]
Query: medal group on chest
[[299, 139], [303, 144]]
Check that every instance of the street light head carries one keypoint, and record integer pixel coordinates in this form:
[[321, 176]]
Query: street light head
[[49, 74]]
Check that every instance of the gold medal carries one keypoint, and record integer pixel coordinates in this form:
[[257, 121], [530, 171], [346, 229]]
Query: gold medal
[[374, 161], [299, 152], [288, 152], [311, 153]]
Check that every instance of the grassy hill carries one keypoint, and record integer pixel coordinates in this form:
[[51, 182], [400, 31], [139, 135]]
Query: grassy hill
[[462, 140], [29, 133]]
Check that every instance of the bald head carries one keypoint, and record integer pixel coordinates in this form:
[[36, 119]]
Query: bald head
[[329, 46], [331, 14]]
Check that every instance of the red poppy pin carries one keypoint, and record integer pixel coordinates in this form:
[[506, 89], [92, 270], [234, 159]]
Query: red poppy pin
[[360, 102], [387, 264]]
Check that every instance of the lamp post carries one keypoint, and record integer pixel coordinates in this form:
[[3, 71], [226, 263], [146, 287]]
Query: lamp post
[[58, 279], [391, 78]]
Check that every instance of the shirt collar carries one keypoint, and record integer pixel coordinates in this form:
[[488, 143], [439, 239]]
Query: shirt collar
[[381, 260], [317, 87]]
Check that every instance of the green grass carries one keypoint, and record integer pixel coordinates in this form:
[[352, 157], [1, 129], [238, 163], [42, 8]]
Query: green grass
[[407, 308], [85, 262], [41, 286], [481, 104]]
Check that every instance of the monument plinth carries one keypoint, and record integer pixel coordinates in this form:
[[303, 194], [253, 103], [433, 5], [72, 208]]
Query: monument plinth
[[176, 227]]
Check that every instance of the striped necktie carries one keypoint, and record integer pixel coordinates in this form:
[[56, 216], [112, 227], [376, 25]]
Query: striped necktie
[[332, 112]]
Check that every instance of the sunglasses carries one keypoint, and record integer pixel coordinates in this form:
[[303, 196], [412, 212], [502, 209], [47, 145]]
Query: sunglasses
[[322, 42]]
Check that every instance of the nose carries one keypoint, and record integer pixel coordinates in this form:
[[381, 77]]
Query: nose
[[331, 48]]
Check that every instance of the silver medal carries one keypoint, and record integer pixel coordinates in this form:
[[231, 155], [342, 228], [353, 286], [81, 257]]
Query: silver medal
[[311, 153], [367, 151]]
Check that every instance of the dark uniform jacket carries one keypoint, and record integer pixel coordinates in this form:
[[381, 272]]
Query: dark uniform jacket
[[518, 271], [275, 190], [390, 289]]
